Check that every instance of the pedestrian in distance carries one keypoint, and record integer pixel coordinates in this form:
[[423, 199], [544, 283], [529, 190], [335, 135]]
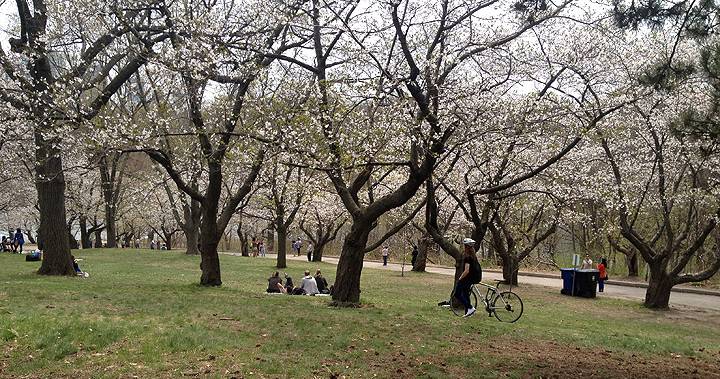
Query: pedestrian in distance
[[603, 276], [19, 241], [385, 254], [587, 263]]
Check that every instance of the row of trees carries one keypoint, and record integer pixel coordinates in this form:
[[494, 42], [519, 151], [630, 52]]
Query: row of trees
[[448, 118]]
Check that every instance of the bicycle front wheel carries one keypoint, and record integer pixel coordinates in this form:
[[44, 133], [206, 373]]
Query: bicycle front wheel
[[457, 306], [507, 306]]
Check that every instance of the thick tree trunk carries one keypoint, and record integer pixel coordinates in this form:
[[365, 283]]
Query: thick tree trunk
[[110, 226], [318, 251], [659, 287], [192, 237], [209, 240], [244, 241], [50, 184], [168, 241], [98, 239], [421, 260], [510, 269], [349, 269], [84, 235], [281, 245]]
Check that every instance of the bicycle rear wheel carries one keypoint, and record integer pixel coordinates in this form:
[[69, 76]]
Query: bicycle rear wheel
[[507, 306], [457, 307]]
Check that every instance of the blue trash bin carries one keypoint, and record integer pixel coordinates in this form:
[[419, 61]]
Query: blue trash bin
[[567, 275]]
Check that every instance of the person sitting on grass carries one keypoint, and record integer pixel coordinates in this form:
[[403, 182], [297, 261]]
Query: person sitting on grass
[[289, 285], [309, 284], [275, 284], [77, 268], [322, 284]]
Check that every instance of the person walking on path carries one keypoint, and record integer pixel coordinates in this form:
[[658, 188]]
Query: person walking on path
[[299, 246], [309, 251], [385, 253], [19, 240], [413, 260], [603, 276]]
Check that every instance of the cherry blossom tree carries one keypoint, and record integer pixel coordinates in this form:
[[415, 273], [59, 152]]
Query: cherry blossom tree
[[58, 75]]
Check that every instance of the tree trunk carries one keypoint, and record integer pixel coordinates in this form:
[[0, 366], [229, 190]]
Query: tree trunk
[[659, 287], [192, 237], [281, 245], [110, 227], [127, 240], [168, 240], [98, 239], [421, 260], [244, 241], [632, 264], [318, 251], [270, 237], [30, 236], [510, 269], [349, 269], [84, 235], [209, 240], [72, 242], [50, 184]]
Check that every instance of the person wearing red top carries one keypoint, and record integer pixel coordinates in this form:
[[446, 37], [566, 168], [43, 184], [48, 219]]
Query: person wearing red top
[[602, 267]]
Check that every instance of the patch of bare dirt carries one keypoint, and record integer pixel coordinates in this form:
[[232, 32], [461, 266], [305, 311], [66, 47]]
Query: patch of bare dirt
[[547, 359]]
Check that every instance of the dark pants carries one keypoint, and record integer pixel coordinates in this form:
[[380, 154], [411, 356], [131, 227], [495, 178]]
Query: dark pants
[[384, 260], [309, 255], [601, 284], [462, 293]]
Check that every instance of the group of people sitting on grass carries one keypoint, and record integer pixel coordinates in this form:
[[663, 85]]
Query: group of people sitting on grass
[[14, 242], [310, 285]]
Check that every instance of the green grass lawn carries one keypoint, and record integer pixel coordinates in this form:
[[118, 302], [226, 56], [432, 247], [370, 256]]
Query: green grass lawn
[[140, 313]]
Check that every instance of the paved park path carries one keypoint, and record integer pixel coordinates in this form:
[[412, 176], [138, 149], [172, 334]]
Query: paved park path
[[677, 299]]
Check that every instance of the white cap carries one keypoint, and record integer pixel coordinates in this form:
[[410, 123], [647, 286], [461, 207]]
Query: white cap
[[469, 242]]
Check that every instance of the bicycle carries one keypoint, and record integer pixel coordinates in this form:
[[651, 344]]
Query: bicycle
[[508, 309]]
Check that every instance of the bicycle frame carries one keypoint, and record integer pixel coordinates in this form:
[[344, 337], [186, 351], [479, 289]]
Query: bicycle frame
[[492, 292]]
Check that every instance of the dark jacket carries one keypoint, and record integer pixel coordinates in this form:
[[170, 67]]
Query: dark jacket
[[475, 275], [273, 281], [322, 284]]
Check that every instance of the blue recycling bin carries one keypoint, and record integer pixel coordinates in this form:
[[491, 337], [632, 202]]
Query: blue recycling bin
[[567, 275]]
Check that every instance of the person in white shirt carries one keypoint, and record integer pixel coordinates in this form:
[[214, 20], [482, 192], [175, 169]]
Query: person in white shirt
[[587, 263], [309, 284], [385, 253]]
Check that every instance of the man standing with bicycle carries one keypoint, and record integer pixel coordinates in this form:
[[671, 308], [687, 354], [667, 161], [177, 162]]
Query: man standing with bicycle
[[471, 274]]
